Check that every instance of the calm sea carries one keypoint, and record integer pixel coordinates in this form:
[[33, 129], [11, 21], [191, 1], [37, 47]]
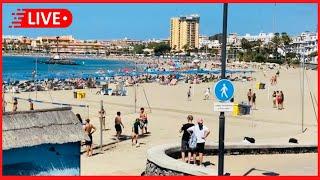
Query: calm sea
[[21, 68]]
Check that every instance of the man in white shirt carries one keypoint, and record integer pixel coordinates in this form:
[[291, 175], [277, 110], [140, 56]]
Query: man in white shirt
[[201, 133]]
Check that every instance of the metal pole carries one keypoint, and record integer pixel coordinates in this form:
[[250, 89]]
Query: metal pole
[[135, 90], [302, 95], [223, 76], [101, 116]]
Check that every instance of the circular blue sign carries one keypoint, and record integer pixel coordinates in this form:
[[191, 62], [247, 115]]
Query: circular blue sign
[[223, 90]]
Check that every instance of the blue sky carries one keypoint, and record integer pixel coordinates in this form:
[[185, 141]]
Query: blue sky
[[144, 21]]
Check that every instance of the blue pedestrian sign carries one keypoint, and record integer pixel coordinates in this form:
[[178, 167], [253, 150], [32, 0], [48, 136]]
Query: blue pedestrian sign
[[223, 90]]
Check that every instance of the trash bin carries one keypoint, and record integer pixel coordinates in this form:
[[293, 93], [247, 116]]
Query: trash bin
[[247, 109], [81, 95], [236, 110], [262, 86], [257, 85], [242, 110]]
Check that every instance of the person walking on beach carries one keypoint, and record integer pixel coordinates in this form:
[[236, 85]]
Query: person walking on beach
[[254, 101], [102, 117], [281, 99], [249, 96], [274, 99], [185, 139], [144, 121], [189, 93], [15, 105], [89, 129], [278, 99], [117, 125], [207, 94], [201, 132], [31, 107], [135, 132]]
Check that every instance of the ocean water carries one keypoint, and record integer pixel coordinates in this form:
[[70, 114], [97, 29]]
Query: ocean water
[[21, 68]]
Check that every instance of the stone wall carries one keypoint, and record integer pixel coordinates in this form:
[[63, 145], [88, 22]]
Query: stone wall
[[154, 170], [163, 160]]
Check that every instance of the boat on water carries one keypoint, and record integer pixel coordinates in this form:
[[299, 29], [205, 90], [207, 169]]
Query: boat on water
[[57, 59]]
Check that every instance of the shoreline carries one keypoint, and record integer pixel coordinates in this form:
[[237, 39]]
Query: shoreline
[[115, 58]]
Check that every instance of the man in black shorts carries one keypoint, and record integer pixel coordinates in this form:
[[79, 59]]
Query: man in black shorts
[[118, 124], [135, 132], [185, 139], [201, 133], [89, 129]]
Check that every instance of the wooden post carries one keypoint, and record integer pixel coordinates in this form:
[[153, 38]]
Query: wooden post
[[101, 116]]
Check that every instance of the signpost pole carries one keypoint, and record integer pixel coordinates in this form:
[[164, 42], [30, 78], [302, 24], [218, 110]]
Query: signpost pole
[[223, 76]]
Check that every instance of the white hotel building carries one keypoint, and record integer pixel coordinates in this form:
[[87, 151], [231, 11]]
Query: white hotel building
[[305, 44]]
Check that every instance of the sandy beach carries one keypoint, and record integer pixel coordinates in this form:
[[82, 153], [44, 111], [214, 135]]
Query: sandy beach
[[169, 109]]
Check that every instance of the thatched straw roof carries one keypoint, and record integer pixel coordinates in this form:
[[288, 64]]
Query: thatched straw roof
[[30, 128]]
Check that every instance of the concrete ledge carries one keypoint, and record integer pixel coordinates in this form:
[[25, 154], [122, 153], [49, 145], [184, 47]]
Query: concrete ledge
[[163, 158]]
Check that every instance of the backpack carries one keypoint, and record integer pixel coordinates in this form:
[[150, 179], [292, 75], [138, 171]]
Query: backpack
[[193, 141]]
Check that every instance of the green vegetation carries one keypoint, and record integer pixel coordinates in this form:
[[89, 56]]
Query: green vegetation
[[138, 49], [257, 52]]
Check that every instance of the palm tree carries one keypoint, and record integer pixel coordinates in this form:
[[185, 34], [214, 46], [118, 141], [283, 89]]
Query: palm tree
[[47, 48], [186, 47], [285, 38]]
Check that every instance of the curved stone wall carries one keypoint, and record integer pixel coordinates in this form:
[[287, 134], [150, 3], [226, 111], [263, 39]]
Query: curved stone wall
[[163, 160]]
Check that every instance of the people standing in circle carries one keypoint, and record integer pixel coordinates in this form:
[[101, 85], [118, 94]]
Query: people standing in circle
[[201, 132], [117, 125], [143, 121], [89, 129], [189, 93], [185, 149]]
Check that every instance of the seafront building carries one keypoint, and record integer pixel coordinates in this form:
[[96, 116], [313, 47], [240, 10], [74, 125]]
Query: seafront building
[[184, 32], [184, 35], [305, 45]]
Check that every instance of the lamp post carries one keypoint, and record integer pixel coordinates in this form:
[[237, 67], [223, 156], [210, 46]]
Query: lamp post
[[223, 76]]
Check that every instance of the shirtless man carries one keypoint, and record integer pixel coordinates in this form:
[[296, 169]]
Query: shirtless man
[[143, 120], [89, 129], [118, 124]]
